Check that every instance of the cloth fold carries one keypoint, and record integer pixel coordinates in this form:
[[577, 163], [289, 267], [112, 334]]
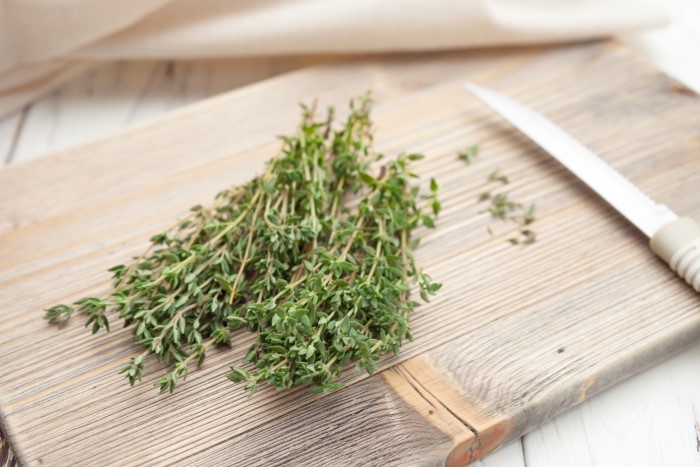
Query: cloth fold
[[45, 42]]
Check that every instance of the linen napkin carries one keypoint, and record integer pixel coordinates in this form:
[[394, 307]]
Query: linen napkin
[[45, 42]]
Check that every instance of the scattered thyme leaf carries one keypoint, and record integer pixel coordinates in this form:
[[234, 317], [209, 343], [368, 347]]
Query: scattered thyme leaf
[[469, 154], [530, 236], [497, 176], [529, 214], [502, 207]]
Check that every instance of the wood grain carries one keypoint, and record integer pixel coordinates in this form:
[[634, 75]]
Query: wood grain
[[518, 335]]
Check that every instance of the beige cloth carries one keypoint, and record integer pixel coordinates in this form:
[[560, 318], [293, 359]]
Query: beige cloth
[[45, 42]]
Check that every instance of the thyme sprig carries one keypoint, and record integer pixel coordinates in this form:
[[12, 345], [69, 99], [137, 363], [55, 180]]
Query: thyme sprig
[[314, 256]]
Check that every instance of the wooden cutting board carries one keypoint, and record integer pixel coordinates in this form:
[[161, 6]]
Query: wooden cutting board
[[517, 335]]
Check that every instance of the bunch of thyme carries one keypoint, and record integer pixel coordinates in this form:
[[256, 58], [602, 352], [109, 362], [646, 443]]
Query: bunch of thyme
[[314, 256]]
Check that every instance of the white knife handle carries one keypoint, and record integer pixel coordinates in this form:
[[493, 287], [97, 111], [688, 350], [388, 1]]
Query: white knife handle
[[678, 243]]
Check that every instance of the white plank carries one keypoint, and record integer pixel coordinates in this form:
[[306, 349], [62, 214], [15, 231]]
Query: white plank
[[676, 47], [122, 94], [88, 107], [652, 419], [10, 129], [509, 455]]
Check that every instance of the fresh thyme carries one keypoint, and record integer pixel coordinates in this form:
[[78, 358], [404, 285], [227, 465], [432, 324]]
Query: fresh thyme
[[469, 154], [497, 176], [314, 257], [501, 206], [528, 237]]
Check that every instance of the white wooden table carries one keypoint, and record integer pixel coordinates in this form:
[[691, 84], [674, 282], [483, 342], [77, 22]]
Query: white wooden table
[[652, 419]]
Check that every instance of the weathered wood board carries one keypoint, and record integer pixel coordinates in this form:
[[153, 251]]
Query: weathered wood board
[[518, 333]]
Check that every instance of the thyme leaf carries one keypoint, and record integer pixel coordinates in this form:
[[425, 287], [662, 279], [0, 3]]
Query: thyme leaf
[[469, 154]]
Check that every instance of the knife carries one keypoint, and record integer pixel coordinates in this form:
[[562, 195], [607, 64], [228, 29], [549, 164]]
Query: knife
[[676, 240]]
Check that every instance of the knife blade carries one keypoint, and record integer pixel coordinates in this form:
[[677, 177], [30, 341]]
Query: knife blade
[[674, 239]]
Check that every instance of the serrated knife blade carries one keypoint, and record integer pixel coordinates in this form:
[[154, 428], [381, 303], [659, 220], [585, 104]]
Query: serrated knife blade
[[676, 240]]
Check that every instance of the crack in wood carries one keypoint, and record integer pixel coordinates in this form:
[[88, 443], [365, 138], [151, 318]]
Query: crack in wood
[[421, 388], [430, 393]]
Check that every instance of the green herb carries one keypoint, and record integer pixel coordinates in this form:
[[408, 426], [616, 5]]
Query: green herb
[[529, 215], [501, 206], [497, 176], [433, 198], [529, 236], [469, 154], [314, 256]]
